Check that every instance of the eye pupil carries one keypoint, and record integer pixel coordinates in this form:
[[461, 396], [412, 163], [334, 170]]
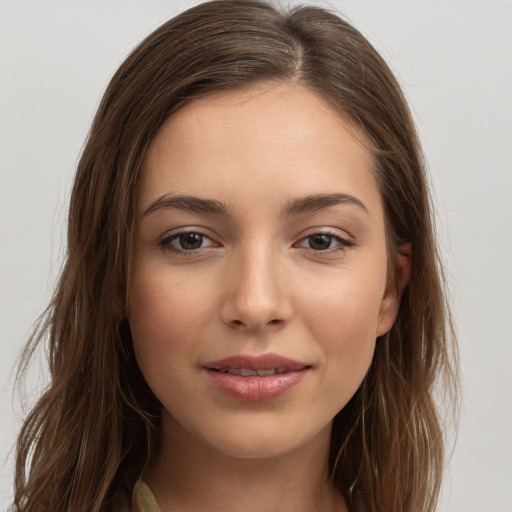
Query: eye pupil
[[320, 242], [190, 241]]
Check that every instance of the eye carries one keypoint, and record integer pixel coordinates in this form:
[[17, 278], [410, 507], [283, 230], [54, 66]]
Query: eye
[[186, 242], [325, 242]]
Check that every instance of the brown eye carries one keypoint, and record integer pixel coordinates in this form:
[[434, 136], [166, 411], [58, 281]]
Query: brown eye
[[186, 242], [189, 241], [321, 242], [325, 242]]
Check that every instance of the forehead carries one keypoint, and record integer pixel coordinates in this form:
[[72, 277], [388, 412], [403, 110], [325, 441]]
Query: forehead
[[274, 137]]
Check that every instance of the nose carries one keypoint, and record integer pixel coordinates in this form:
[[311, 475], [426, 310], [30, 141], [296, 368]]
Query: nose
[[257, 294]]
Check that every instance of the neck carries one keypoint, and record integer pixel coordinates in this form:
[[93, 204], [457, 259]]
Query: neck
[[189, 476]]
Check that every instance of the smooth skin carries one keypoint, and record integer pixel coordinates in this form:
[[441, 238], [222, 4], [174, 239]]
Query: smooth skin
[[260, 229]]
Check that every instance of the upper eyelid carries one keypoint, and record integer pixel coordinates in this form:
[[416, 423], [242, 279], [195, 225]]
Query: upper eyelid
[[174, 236], [327, 233], [343, 241], [183, 230], [331, 231]]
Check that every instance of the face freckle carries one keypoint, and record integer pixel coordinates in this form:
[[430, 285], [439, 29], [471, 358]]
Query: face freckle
[[260, 241]]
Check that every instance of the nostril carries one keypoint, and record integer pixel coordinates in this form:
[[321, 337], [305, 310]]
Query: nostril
[[240, 323]]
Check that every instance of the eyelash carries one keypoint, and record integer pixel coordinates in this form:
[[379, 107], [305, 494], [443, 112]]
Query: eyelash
[[166, 243], [343, 243]]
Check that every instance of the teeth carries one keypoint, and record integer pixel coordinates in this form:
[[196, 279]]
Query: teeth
[[263, 373], [246, 372]]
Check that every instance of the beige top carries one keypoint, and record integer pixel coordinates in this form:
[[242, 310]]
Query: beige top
[[143, 499]]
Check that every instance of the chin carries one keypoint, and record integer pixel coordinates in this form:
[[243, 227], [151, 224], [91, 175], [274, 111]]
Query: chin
[[258, 440], [254, 448]]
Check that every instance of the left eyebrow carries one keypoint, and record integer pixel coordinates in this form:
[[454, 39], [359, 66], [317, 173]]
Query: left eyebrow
[[316, 202]]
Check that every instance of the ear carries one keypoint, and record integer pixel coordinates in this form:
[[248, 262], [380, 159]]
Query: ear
[[394, 289]]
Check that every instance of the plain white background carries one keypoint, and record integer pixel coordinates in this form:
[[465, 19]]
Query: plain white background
[[453, 59]]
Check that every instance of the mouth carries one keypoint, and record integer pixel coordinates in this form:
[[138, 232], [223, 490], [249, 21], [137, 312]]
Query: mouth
[[255, 378], [247, 372], [256, 365]]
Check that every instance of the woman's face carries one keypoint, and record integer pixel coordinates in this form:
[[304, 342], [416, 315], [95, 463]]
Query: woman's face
[[259, 281]]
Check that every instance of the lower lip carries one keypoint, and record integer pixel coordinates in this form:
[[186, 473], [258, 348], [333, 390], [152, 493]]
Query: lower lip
[[255, 388]]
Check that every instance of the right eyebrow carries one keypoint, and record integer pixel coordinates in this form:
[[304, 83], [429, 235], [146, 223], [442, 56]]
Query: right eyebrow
[[188, 203]]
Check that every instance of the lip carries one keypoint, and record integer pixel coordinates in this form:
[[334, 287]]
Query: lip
[[256, 388]]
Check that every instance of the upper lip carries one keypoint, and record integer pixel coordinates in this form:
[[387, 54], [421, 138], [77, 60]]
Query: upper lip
[[262, 362]]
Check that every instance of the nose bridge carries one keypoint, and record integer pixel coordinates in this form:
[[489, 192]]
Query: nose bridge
[[256, 297]]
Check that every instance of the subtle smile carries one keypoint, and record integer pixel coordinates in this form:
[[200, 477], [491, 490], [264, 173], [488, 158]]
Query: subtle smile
[[255, 378]]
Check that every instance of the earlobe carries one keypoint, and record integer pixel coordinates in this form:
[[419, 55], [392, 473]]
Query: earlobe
[[395, 287]]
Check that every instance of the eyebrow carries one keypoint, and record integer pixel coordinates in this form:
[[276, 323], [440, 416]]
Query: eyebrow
[[316, 202], [188, 203], [302, 205]]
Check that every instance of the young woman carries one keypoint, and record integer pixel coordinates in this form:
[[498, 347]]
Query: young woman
[[251, 315]]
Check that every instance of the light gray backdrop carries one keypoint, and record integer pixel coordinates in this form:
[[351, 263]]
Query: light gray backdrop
[[453, 59]]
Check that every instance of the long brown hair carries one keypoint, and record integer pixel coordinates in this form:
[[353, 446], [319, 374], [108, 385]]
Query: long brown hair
[[89, 436]]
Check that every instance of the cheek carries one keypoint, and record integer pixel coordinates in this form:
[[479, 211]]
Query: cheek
[[343, 322], [167, 314], [346, 307]]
